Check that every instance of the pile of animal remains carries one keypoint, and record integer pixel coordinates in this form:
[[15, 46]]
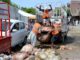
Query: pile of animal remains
[[30, 53], [47, 54]]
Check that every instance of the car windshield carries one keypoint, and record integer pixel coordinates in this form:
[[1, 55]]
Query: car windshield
[[5, 27]]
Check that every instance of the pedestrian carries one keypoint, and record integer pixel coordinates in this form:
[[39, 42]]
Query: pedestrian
[[33, 34]]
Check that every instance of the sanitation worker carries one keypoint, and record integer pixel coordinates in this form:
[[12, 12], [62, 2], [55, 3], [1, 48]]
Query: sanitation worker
[[33, 34], [45, 14], [55, 33]]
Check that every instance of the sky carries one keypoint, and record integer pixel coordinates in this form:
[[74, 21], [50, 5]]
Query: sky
[[34, 3]]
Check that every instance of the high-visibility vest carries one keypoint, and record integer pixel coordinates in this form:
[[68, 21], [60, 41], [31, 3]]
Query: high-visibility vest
[[36, 27], [56, 29], [45, 14]]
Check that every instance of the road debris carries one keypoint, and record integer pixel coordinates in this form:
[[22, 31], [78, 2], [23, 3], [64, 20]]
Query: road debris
[[28, 52], [62, 47], [20, 56], [27, 48], [36, 54], [32, 57], [5, 57], [47, 54]]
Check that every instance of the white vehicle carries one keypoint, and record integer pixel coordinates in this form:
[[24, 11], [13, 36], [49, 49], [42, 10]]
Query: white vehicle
[[18, 31]]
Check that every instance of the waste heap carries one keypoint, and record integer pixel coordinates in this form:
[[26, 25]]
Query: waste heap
[[47, 54], [5, 57], [30, 53]]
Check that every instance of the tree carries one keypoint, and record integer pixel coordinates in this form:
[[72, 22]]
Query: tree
[[57, 11], [68, 12], [29, 10], [67, 9], [15, 5], [7, 1]]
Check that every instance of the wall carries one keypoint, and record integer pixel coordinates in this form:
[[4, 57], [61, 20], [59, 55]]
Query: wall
[[13, 13], [75, 7]]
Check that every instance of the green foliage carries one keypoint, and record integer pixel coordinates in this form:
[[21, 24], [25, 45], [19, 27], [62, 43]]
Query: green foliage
[[12, 4], [29, 10], [15, 5], [7, 1], [57, 11], [67, 9], [68, 12]]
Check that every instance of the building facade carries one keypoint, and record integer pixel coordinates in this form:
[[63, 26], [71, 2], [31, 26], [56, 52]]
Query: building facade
[[75, 7], [14, 14]]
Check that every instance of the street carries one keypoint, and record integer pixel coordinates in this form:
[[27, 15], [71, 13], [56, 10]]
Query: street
[[73, 41], [40, 30]]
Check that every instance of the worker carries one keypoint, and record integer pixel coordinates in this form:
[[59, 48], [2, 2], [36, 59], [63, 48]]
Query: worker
[[55, 33], [33, 34], [45, 15]]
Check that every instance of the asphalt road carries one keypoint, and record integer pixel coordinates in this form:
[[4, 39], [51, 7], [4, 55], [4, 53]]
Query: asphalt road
[[73, 42]]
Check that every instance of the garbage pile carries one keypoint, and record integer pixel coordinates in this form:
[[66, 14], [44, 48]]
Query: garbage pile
[[47, 54], [5, 57], [25, 52], [30, 53]]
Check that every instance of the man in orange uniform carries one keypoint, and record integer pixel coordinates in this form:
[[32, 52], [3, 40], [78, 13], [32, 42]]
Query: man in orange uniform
[[45, 12], [55, 33], [45, 15], [33, 34]]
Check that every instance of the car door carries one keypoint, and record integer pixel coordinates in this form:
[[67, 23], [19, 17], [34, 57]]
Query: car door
[[15, 33], [23, 31]]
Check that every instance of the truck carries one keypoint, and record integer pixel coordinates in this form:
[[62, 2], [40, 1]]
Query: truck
[[5, 41], [62, 19], [75, 12]]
